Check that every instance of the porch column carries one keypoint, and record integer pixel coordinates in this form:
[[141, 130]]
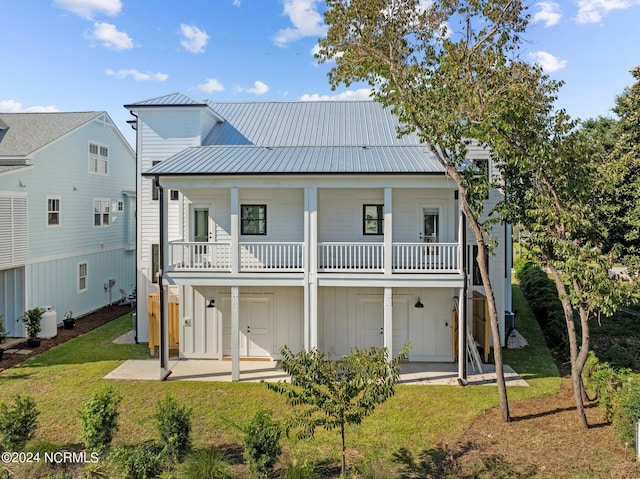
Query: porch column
[[310, 267], [388, 231], [462, 337], [235, 251], [387, 327], [235, 333]]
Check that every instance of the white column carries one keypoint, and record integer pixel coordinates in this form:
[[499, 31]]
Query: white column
[[462, 336], [388, 231], [235, 333], [235, 236], [311, 267], [387, 329]]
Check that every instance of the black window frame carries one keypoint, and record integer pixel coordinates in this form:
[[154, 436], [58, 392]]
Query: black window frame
[[379, 220], [244, 221]]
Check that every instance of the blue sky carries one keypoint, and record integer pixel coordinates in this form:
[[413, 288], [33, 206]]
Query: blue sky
[[81, 55]]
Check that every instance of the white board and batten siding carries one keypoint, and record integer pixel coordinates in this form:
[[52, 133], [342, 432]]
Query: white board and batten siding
[[270, 318], [354, 317]]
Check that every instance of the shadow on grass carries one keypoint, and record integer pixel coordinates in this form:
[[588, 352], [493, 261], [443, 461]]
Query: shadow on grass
[[444, 462]]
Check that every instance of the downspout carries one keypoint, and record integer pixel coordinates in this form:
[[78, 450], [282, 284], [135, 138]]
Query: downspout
[[164, 346]]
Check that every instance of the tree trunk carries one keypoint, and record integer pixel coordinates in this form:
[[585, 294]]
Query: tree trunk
[[344, 452], [483, 263], [576, 369]]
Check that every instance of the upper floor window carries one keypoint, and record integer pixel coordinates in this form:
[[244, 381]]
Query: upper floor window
[[253, 219], [120, 206], [53, 211], [155, 191], [101, 212], [372, 219], [98, 159]]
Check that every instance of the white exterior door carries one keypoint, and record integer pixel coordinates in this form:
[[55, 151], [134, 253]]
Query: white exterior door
[[255, 325], [370, 314]]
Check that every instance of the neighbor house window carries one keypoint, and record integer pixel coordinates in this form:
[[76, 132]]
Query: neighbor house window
[[120, 206], [98, 159], [372, 219], [253, 219], [155, 262], [82, 277], [173, 195], [53, 211], [101, 213]]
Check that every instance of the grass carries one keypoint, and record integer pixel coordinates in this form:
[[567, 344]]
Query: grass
[[417, 418]]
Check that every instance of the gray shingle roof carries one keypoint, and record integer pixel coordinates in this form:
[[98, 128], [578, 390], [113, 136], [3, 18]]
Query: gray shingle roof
[[26, 133]]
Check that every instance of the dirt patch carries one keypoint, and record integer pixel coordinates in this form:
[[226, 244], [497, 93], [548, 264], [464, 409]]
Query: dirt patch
[[83, 324], [544, 439]]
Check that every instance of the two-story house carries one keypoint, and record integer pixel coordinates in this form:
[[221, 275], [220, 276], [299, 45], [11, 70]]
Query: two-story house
[[306, 224], [67, 214]]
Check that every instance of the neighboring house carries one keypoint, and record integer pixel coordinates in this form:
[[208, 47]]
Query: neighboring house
[[67, 214], [306, 224]]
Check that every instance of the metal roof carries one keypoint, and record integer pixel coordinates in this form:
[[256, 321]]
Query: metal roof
[[174, 99], [25, 133], [325, 123], [252, 160]]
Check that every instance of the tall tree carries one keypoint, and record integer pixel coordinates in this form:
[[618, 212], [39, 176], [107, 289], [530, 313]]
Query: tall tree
[[451, 73], [566, 193]]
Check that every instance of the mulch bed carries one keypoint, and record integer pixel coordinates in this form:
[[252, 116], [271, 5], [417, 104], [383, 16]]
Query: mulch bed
[[83, 324]]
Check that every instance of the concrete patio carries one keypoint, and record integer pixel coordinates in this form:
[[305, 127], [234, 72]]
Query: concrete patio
[[266, 370]]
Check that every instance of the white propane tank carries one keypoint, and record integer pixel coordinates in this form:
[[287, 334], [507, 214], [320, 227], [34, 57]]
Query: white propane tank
[[49, 323]]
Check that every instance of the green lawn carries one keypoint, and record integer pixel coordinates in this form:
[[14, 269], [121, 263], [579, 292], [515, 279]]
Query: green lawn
[[417, 417]]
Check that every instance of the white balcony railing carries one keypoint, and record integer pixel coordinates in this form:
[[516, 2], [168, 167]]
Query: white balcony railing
[[436, 257], [332, 257], [200, 256], [351, 257], [271, 256]]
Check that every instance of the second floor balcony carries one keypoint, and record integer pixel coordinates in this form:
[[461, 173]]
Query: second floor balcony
[[330, 257]]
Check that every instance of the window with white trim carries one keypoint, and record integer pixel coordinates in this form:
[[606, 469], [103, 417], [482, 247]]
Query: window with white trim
[[98, 159], [53, 211], [82, 277], [101, 212]]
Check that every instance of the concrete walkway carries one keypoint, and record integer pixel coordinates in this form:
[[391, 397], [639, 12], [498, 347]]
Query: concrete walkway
[[266, 370]]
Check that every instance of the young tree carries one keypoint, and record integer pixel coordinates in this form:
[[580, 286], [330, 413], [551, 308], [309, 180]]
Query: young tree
[[451, 73], [331, 394]]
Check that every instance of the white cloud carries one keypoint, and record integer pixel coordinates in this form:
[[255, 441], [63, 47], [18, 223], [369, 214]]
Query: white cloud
[[236, 3], [12, 106], [259, 88], [547, 61], [211, 85], [88, 8], [349, 95], [592, 11], [194, 39], [110, 37], [548, 13], [306, 20], [136, 75]]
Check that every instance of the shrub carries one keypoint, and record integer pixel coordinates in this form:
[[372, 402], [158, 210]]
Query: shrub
[[543, 299], [605, 381], [174, 427], [295, 470], [141, 461], [100, 419], [206, 464], [261, 444], [18, 423], [31, 319], [627, 411]]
